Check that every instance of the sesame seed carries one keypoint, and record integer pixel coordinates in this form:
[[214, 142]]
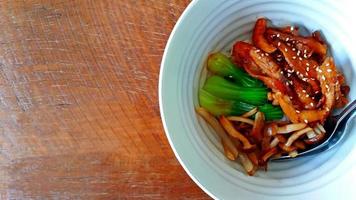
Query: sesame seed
[[306, 121], [259, 57], [294, 57], [293, 49], [257, 50], [285, 49], [337, 98], [307, 95], [306, 73], [290, 82], [313, 98], [288, 44], [300, 58], [281, 72], [298, 53], [305, 79], [327, 64], [287, 39], [308, 64], [329, 70], [266, 54], [278, 35], [307, 69], [292, 28], [263, 55], [327, 86], [287, 83], [279, 44], [304, 91], [305, 51], [323, 77], [297, 111], [305, 56], [327, 109], [288, 75], [291, 97], [297, 73], [312, 104]]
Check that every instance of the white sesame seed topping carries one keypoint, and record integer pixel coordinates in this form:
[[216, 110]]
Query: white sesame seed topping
[[257, 50], [293, 49], [306, 121], [327, 64], [287, 39], [307, 69], [323, 77], [337, 98], [288, 44], [312, 104], [267, 54], [305, 51], [305, 79], [259, 57], [281, 72], [308, 64], [300, 58], [288, 74], [292, 28], [306, 73], [279, 44], [294, 57], [298, 53], [327, 86], [307, 95], [297, 72], [297, 111], [313, 98], [278, 35], [327, 109], [304, 91], [287, 83], [291, 97], [285, 49], [305, 56], [329, 70]]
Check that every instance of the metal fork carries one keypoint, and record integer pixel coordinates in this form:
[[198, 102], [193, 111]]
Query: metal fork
[[334, 126]]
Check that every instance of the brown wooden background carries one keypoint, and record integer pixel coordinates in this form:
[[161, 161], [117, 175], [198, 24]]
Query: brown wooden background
[[79, 115]]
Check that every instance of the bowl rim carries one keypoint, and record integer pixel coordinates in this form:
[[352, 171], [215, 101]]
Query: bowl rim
[[186, 11]]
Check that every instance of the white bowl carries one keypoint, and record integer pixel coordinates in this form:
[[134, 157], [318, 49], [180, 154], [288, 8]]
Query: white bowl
[[212, 25]]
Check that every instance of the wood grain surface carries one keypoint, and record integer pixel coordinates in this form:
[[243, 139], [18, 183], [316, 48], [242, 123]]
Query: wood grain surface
[[79, 114]]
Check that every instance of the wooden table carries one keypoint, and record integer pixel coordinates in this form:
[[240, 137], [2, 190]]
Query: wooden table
[[79, 114]]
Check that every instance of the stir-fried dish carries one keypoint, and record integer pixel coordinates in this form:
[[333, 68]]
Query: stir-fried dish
[[272, 97]]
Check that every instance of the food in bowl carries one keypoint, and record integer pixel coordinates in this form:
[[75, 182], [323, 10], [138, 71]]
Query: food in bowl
[[271, 97]]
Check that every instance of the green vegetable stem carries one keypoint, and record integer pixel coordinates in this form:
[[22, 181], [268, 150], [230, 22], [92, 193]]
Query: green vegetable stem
[[221, 65]]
